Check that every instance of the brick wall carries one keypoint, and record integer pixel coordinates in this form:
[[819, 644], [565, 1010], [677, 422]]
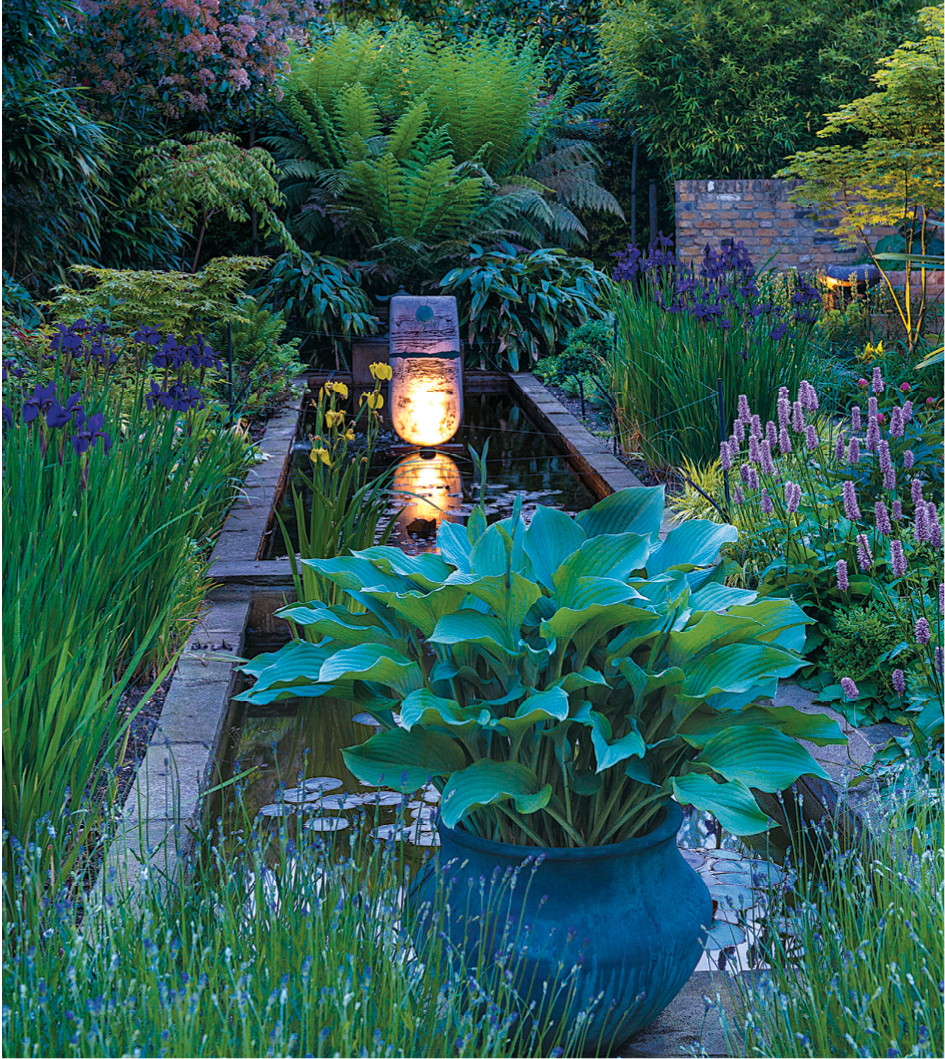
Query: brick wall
[[758, 213]]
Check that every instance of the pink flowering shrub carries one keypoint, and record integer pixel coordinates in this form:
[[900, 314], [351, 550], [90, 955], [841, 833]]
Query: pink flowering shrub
[[851, 518], [180, 57]]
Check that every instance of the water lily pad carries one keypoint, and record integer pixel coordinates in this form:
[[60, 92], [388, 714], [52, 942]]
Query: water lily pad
[[431, 794], [276, 809], [732, 896], [334, 802], [385, 798], [322, 783], [390, 833], [726, 854], [327, 823]]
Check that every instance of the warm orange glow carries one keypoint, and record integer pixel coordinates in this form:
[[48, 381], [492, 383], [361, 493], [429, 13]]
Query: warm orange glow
[[438, 487]]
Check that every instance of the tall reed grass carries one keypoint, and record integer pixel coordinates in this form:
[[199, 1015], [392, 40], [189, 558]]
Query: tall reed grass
[[95, 547]]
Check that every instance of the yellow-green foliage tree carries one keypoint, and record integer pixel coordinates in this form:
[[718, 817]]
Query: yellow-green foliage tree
[[192, 182], [892, 174]]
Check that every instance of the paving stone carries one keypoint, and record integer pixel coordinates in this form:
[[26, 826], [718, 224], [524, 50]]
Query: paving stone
[[223, 617], [194, 713], [204, 668], [169, 783], [839, 760], [685, 1027]]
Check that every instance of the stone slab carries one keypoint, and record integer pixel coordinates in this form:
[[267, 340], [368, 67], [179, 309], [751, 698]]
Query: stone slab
[[194, 713], [686, 1027], [169, 783], [842, 762]]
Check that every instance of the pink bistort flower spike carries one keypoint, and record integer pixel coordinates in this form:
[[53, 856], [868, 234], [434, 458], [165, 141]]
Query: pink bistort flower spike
[[767, 505], [738, 430], [920, 527], [792, 496], [856, 418], [878, 384], [899, 682], [935, 527], [850, 506], [810, 438], [755, 429], [882, 518], [752, 479], [864, 554], [840, 448], [843, 578], [767, 459], [853, 452], [849, 688], [923, 633], [784, 440], [798, 423], [939, 659], [754, 449], [784, 409], [896, 425], [907, 410], [744, 412], [872, 434], [916, 490], [899, 565], [739, 495], [872, 407], [771, 433], [743, 473], [908, 459], [897, 510], [941, 598], [725, 455]]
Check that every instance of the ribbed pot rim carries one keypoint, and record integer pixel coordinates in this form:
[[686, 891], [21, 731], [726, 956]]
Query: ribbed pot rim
[[670, 820]]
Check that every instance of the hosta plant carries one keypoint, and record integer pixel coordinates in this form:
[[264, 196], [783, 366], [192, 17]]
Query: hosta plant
[[559, 681]]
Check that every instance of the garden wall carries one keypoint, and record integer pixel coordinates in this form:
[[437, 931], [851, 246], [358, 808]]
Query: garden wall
[[758, 213]]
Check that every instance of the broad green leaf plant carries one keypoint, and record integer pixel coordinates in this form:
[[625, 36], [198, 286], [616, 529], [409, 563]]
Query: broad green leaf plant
[[559, 681]]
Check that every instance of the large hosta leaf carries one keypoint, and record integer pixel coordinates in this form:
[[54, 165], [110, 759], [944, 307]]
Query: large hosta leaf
[[782, 622], [490, 554], [638, 510], [354, 572], [292, 671], [550, 705], [759, 757], [485, 782], [453, 542], [473, 628], [511, 597], [730, 803], [549, 540], [694, 543], [612, 555], [705, 723], [720, 597], [422, 707], [404, 760], [341, 625], [738, 667], [374, 663], [426, 570], [421, 610]]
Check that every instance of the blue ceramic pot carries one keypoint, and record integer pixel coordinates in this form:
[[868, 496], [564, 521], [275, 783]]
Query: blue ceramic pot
[[631, 916]]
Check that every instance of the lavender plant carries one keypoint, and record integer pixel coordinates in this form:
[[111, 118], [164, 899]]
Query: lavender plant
[[853, 525], [681, 329]]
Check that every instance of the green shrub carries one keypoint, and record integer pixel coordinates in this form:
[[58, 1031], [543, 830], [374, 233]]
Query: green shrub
[[516, 308], [857, 645]]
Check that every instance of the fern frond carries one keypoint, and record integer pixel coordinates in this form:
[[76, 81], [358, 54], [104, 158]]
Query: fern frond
[[407, 130]]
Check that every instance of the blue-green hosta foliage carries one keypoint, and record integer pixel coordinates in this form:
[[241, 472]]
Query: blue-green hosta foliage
[[515, 308], [559, 681]]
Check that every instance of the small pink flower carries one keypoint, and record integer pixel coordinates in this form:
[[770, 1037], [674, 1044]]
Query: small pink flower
[[725, 455], [843, 578], [856, 420], [899, 565], [930, 400], [862, 382], [767, 505], [923, 633], [905, 387], [881, 417]]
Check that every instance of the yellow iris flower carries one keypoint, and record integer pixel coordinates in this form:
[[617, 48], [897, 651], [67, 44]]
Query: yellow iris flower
[[381, 371]]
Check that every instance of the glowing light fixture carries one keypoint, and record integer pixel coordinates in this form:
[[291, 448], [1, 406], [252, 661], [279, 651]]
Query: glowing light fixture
[[426, 389]]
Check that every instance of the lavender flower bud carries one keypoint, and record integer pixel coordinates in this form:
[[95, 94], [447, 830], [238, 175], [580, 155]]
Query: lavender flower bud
[[878, 384], [849, 688], [752, 481], [916, 490], [923, 634], [864, 554], [810, 438], [771, 433], [882, 519], [941, 598], [739, 495], [744, 412], [767, 459], [797, 418], [873, 407], [899, 565], [767, 505], [725, 454], [843, 578], [856, 421], [850, 506], [756, 431], [872, 434], [897, 510], [784, 440], [754, 450], [853, 453], [899, 682], [908, 459], [897, 426]]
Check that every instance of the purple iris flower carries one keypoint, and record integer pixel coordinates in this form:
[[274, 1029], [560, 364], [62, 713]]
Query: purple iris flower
[[59, 415], [39, 401]]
